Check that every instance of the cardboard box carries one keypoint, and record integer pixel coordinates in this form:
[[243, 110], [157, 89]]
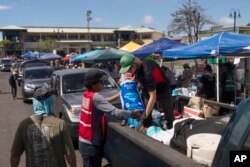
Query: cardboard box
[[193, 112]]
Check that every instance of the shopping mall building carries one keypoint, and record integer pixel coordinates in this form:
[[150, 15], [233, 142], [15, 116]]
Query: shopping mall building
[[72, 39]]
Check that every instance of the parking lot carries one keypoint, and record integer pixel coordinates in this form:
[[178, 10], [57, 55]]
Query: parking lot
[[12, 113]]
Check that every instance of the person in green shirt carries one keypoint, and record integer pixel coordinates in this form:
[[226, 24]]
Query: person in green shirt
[[44, 138]]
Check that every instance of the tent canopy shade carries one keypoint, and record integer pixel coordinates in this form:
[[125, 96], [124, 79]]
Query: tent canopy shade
[[85, 55], [50, 56], [109, 54], [157, 47], [30, 54], [222, 44], [130, 47]]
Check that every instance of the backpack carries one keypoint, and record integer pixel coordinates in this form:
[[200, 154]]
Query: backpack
[[229, 83], [191, 126]]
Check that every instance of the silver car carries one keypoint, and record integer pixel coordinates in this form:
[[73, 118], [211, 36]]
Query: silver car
[[69, 86]]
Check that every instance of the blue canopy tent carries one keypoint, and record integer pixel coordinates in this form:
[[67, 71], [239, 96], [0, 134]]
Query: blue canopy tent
[[222, 44], [50, 56], [85, 55], [42, 54], [30, 55], [109, 54], [157, 47]]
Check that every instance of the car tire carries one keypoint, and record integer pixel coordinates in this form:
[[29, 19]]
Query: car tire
[[19, 83], [25, 100]]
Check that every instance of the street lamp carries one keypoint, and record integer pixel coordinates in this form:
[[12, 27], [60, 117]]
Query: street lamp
[[235, 13], [58, 31], [88, 13]]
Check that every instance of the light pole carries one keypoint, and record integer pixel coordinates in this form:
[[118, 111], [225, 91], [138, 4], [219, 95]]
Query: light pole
[[235, 13], [58, 31], [88, 13]]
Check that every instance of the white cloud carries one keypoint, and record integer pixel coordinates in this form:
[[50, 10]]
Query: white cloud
[[226, 21], [98, 19], [148, 19], [4, 7]]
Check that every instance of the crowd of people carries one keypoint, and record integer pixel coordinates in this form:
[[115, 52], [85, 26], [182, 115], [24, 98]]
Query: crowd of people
[[46, 140]]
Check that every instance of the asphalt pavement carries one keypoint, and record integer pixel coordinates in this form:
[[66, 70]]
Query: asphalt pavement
[[12, 113]]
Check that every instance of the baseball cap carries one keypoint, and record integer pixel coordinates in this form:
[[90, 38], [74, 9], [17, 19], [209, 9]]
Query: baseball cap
[[93, 75], [186, 65], [126, 62], [43, 93]]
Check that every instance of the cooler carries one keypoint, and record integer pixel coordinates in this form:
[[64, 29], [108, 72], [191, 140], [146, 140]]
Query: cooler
[[202, 147]]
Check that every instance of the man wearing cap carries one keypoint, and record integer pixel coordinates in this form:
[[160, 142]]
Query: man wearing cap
[[92, 120], [156, 87], [44, 138]]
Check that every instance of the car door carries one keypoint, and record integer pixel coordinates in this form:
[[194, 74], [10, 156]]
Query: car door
[[55, 83]]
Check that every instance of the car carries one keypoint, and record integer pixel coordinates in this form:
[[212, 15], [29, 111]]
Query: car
[[69, 86], [29, 63], [33, 78], [5, 64]]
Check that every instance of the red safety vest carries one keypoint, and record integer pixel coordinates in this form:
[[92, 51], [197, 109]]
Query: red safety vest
[[86, 118]]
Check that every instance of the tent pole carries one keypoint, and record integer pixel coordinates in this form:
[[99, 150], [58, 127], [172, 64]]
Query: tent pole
[[217, 80], [161, 62]]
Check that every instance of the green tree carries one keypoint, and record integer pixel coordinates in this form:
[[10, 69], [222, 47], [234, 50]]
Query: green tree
[[190, 19], [4, 45], [49, 44]]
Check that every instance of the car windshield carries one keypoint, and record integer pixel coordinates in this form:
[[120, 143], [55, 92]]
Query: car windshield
[[75, 83], [38, 73], [6, 61], [31, 64]]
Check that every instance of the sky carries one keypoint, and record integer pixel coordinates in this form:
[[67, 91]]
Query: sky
[[112, 13]]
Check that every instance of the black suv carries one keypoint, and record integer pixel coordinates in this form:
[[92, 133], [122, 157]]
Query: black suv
[[33, 78], [5, 64], [29, 63]]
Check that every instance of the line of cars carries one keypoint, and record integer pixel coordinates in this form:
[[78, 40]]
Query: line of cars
[[32, 74]]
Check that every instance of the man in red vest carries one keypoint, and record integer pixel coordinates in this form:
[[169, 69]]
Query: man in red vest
[[92, 120]]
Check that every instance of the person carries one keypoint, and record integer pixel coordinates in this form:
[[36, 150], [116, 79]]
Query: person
[[92, 120], [170, 75], [12, 83], [227, 83], [237, 81], [206, 88], [186, 76], [155, 87], [44, 138]]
